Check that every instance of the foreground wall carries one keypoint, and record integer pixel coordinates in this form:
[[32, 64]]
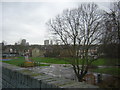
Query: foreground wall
[[16, 77]]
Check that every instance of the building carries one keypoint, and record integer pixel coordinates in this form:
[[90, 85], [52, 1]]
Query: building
[[51, 42], [27, 44], [36, 52], [23, 42], [46, 42]]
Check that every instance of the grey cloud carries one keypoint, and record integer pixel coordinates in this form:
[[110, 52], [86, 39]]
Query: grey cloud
[[27, 19]]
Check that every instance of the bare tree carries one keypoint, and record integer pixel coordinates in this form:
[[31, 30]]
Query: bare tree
[[112, 24], [111, 36], [78, 28]]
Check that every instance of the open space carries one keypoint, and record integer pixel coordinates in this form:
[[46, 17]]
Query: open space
[[49, 43], [46, 61]]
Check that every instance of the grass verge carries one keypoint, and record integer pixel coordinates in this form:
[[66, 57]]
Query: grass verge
[[112, 71]]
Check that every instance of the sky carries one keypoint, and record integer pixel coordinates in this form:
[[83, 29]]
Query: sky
[[27, 20]]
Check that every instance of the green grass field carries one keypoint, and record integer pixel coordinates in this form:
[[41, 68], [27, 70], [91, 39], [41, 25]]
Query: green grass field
[[99, 62], [21, 60], [16, 62], [106, 62], [112, 70], [49, 60]]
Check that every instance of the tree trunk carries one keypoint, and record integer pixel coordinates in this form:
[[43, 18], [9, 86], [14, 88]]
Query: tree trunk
[[81, 76]]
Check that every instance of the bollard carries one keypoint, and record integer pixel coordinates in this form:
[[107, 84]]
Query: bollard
[[99, 78]]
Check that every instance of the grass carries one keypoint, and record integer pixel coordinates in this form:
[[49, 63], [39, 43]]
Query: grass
[[49, 60], [21, 60], [106, 62], [112, 70], [16, 62], [99, 62]]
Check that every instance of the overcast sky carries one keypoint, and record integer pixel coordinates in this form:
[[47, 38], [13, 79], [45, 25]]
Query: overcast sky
[[26, 20]]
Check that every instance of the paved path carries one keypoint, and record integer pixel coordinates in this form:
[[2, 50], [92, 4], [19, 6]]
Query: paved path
[[57, 70], [62, 70]]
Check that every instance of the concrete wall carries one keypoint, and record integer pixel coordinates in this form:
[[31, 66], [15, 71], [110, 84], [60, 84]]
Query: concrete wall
[[17, 77]]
